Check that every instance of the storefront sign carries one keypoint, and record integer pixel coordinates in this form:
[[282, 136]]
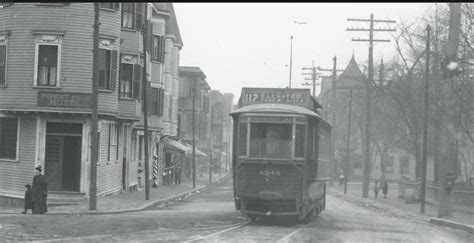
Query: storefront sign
[[69, 100], [282, 96]]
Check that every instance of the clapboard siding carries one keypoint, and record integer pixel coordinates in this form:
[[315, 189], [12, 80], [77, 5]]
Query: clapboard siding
[[75, 74], [130, 42], [129, 108], [12, 174]]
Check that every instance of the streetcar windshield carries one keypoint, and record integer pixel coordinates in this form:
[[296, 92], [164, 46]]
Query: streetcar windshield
[[270, 140]]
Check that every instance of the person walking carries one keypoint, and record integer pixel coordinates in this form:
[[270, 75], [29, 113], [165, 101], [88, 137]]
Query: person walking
[[376, 188], [177, 174], [39, 192], [28, 204], [385, 189]]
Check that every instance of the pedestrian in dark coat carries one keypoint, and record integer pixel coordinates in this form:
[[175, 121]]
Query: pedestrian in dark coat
[[39, 192], [177, 175], [28, 204], [376, 188], [385, 189]]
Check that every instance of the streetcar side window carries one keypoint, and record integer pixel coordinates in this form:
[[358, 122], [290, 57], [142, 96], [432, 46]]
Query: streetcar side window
[[242, 140], [270, 140], [299, 141]]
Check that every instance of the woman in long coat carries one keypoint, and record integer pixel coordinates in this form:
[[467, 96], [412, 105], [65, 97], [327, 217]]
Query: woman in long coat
[[39, 192]]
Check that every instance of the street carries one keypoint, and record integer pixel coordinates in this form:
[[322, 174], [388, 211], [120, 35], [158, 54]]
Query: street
[[210, 217]]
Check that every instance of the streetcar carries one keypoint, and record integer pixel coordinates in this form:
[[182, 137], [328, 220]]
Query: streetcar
[[281, 160]]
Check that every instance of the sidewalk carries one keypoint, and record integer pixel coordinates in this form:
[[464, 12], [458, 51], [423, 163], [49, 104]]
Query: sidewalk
[[460, 219], [130, 202]]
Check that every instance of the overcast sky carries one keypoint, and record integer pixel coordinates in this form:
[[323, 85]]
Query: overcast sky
[[248, 44]]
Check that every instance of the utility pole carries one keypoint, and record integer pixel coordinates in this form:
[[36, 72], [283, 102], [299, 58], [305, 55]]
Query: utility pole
[[145, 103], [451, 57], [348, 139], [367, 164], [210, 143], [291, 59], [314, 76], [95, 115], [194, 133], [334, 71], [425, 123]]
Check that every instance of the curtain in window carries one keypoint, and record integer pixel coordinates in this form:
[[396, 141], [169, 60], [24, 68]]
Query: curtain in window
[[126, 80], [47, 65], [128, 14]]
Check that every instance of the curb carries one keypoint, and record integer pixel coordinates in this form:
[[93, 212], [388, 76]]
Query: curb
[[142, 208], [452, 224]]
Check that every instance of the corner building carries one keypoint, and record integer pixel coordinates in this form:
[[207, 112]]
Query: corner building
[[46, 89]]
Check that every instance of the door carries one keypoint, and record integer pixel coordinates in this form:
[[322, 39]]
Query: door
[[54, 162], [71, 175], [63, 156]]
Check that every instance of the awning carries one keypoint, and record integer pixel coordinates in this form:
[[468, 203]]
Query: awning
[[176, 146], [189, 152]]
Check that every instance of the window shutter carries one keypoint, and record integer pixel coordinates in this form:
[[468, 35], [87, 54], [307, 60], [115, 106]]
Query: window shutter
[[162, 49], [137, 81], [113, 71], [150, 97], [149, 36], [162, 98]]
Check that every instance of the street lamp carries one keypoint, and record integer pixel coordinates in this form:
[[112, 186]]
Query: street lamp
[[291, 50]]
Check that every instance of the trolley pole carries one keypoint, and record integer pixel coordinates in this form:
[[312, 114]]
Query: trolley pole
[[94, 116], [291, 59], [367, 162], [145, 104]]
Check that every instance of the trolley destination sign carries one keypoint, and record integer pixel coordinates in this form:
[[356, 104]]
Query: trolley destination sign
[[300, 97], [67, 100]]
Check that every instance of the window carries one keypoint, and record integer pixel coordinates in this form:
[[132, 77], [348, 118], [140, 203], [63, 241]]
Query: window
[[47, 65], [128, 15], [47, 58], [300, 141], [112, 142], [133, 15], [155, 101], [158, 49], [3, 63], [404, 165], [8, 138], [389, 164], [107, 69], [126, 78], [110, 5], [270, 140], [242, 139]]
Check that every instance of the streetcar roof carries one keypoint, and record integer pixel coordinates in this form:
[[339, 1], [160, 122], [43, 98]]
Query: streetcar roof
[[275, 108]]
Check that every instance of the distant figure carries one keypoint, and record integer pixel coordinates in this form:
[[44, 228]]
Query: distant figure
[[177, 176], [39, 192], [385, 189], [28, 200], [376, 188], [341, 179]]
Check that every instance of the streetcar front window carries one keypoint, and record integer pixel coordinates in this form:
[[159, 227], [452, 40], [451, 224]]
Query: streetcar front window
[[270, 140], [242, 139]]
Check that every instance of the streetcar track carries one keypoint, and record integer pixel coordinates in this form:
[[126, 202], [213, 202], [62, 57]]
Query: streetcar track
[[219, 232]]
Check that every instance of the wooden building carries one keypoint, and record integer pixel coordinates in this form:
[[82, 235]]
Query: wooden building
[[46, 85]]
